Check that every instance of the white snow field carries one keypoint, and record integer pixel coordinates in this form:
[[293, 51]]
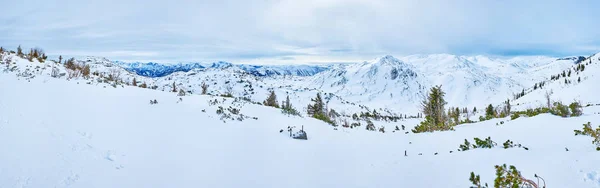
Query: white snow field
[[58, 133]]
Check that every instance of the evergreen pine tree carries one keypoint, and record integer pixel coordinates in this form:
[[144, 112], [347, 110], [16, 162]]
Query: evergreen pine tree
[[271, 100], [317, 108], [20, 51], [490, 112], [174, 88], [436, 118], [456, 116], [204, 88], [134, 82], [433, 106], [523, 93]]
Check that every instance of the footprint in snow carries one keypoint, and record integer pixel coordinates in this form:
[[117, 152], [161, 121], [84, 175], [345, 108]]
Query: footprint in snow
[[594, 177], [71, 179], [110, 156]]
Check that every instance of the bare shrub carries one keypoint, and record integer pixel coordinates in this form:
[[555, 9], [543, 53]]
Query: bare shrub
[[114, 75], [73, 73], [85, 71], [70, 64]]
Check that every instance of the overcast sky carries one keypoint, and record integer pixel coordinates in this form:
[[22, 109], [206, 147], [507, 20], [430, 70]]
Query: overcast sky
[[299, 31]]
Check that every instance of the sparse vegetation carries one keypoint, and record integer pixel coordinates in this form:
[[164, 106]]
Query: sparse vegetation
[[575, 109], [85, 71], [181, 93], [370, 126], [204, 88], [317, 110], [287, 108], [37, 53], [479, 143], [20, 52], [589, 131], [560, 110], [143, 85], [507, 177]]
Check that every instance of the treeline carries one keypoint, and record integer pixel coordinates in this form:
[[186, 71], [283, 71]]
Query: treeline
[[568, 77], [34, 53]]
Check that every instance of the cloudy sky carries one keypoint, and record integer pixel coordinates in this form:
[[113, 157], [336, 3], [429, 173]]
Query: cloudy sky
[[299, 31]]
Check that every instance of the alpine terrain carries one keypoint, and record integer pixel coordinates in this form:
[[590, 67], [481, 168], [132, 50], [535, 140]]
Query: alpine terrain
[[436, 120]]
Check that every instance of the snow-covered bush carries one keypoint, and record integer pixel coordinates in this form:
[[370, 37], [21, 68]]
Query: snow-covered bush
[[370, 126], [73, 73], [511, 144], [514, 116], [466, 146], [575, 109], [560, 109], [487, 143], [507, 177], [476, 181], [181, 93], [588, 131], [287, 108], [55, 72]]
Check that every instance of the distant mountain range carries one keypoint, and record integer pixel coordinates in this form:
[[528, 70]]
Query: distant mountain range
[[385, 82], [152, 69]]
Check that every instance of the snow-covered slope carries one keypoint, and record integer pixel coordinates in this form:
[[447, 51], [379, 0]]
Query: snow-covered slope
[[385, 80], [390, 84], [577, 85], [85, 133]]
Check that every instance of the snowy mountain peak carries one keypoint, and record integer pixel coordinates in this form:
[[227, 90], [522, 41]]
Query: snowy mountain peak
[[388, 60], [221, 64]]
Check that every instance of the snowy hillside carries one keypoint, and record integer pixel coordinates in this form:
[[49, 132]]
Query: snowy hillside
[[577, 84], [65, 131]]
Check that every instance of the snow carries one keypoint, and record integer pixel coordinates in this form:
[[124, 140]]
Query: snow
[[152, 69], [59, 133]]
